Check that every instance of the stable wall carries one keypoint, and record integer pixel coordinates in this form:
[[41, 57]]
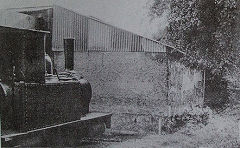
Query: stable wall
[[136, 87], [186, 87], [129, 81]]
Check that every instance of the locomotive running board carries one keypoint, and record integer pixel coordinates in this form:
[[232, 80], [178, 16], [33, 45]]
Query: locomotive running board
[[88, 118]]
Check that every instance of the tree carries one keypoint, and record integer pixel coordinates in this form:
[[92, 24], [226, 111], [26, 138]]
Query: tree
[[203, 29]]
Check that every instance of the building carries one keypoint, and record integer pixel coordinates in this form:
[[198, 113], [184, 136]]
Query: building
[[130, 74]]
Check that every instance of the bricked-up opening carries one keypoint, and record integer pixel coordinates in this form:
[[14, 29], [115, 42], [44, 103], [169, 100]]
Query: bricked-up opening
[[69, 53]]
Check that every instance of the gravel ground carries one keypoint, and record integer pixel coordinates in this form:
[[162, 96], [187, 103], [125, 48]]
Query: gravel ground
[[221, 131]]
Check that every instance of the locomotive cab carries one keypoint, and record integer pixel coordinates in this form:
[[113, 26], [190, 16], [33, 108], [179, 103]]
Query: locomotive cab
[[34, 96]]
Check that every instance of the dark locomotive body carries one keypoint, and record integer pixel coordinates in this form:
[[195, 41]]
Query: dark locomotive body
[[32, 97], [33, 106]]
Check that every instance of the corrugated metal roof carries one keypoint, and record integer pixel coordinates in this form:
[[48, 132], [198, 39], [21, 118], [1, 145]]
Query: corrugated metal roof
[[121, 39], [14, 29], [29, 8]]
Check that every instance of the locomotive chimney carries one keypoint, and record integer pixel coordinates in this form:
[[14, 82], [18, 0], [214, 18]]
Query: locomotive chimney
[[69, 53]]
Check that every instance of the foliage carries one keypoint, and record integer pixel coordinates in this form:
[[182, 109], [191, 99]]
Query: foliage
[[196, 116], [203, 29]]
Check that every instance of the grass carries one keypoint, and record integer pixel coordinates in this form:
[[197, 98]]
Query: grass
[[221, 131]]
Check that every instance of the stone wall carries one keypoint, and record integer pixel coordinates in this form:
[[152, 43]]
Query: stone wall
[[186, 87], [123, 79], [133, 85]]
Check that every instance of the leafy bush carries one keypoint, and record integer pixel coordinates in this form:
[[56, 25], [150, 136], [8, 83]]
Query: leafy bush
[[196, 115]]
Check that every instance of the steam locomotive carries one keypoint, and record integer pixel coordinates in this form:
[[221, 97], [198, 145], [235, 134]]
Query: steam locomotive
[[35, 98]]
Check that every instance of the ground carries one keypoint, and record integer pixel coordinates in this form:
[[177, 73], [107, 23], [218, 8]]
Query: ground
[[221, 131]]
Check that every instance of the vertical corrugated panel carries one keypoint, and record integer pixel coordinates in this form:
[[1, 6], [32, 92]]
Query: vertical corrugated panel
[[122, 41], [105, 37], [137, 43], [85, 30], [126, 41], [134, 42], [151, 46], [80, 26], [90, 34], [140, 44], [67, 24], [129, 41], [110, 37], [103, 34], [114, 39], [157, 47], [101, 43], [93, 27], [118, 40], [84, 33], [55, 30], [147, 45], [95, 35], [100, 37], [113, 36]]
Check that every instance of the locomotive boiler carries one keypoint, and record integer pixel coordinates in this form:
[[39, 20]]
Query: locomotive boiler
[[34, 96]]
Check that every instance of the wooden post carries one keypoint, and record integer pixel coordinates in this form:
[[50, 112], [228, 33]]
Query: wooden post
[[160, 126], [204, 83], [169, 111], [239, 130]]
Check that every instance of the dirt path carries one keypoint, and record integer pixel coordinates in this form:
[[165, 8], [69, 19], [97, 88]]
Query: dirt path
[[222, 131]]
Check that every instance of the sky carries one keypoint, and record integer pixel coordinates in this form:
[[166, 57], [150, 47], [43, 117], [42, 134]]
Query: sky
[[131, 15]]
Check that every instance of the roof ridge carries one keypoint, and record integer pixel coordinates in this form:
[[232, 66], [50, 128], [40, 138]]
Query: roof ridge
[[27, 7]]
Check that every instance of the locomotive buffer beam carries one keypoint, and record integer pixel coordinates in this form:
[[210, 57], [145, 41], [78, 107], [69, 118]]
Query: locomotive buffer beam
[[89, 125]]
